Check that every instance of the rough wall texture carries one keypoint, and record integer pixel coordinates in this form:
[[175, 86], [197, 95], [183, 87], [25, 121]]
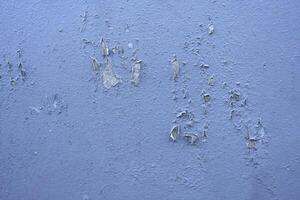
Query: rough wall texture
[[79, 120]]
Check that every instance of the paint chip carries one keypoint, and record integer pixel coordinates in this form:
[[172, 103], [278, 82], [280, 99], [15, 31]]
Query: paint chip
[[251, 143], [211, 80], [184, 113], [204, 66], [260, 129], [136, 70], [55, 104], [211, 28], [36, 109], [251, 140], [22, 71], [110, 79], [174, 134], [84, 20], [206, 97], [234, 95], [175, 65], [105, 49], [95, 64], [205, 131], [192, 138], [259, 135]]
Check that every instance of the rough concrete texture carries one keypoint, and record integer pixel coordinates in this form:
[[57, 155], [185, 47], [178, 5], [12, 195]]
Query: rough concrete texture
[[235, 99]]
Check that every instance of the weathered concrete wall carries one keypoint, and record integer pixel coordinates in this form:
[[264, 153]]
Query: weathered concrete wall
[[66, 135]]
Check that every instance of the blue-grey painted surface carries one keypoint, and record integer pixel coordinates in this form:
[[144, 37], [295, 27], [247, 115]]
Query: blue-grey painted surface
[[64, 136]]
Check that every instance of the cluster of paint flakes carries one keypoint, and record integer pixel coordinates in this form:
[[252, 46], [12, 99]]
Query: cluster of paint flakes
[[109, 77]]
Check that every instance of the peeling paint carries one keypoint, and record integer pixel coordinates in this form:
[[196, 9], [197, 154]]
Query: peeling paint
[[211, 28], [104, 47], [206, 97], [22, 71], [184, 113], [136, 70], [211, 80], [84, 20], [204, 66], [110, 79], [260, 129], [115, 137], [95, 64], [174, 134], [192, 138], [54, 104], [175, 66]]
